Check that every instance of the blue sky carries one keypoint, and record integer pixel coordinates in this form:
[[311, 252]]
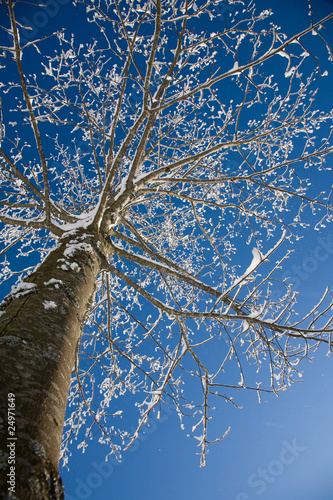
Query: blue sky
[[282, 448], [164, 463]]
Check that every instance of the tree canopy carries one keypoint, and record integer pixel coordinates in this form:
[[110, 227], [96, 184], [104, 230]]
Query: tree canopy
[[187, 144]]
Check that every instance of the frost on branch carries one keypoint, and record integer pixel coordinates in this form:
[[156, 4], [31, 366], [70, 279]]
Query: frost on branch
[[193, 159]]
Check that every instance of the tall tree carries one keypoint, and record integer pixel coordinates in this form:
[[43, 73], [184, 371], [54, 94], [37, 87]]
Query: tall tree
[[139, 170]]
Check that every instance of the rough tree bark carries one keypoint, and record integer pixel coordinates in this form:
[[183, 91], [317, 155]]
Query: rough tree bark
[[39, 331]]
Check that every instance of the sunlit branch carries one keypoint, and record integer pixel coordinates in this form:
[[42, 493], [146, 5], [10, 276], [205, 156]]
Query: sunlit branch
[[18, 53]]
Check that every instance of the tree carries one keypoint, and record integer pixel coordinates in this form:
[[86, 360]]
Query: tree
[[139, 169]]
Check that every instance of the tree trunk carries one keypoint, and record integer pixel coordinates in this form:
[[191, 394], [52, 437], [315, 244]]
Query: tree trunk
[[39, 331]]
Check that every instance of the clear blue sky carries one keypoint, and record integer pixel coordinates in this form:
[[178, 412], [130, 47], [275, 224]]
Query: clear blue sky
[[281, 449]]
